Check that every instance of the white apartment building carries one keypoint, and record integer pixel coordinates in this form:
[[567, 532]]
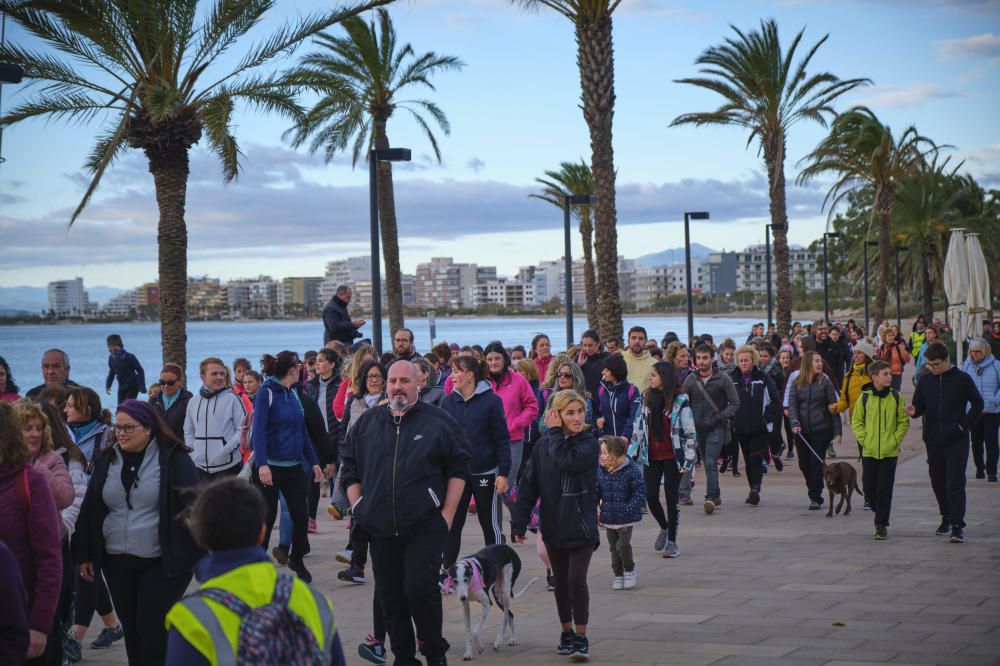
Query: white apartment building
[[504, 292], [68, 297], [804, 267], [344, 271]]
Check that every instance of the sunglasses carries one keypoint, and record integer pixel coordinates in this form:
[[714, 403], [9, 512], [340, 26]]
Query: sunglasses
[[167, 382], [564, 375]]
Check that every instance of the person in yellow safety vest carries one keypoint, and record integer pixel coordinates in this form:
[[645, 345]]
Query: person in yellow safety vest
[[228, 520]]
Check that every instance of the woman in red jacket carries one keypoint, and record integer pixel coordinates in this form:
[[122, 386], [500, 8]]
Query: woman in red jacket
[[29, 525], [541, 354]]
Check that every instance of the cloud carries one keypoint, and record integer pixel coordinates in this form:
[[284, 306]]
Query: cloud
[[986, 45], [476, 164], [275, 209], [889, 96], [662, 9]]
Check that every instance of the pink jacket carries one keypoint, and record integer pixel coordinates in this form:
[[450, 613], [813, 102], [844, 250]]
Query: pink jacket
[[33, 535], [519, 403], [543, 367], [9, 397], [51, 465]]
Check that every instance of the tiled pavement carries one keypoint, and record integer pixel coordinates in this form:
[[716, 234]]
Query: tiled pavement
[[754, 586]]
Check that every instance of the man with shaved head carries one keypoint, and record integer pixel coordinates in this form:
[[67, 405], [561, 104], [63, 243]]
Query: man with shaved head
[[404, 469], [55, 372]]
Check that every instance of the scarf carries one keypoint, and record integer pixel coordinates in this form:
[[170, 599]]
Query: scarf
[[371, 399], [208, 393], [169, 400], [119, 353], [727, 368], [81, 430]]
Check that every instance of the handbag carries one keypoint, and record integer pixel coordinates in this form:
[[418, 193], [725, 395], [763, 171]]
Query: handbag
[[718, 413]]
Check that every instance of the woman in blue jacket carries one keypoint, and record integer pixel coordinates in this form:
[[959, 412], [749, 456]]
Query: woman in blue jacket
[[617, 399], [984, 369], [479, 413], [283, 452]]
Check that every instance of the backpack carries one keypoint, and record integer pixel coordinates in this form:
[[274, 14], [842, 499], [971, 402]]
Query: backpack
[[271, 634]]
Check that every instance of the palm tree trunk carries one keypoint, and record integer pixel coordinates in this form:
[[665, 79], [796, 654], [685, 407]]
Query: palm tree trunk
[[883, 208], [589, 279], [169, 167], [390, 234], [595, 58], [774, 159]]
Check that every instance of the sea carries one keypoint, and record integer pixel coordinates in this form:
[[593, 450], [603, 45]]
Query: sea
[[22, 346]]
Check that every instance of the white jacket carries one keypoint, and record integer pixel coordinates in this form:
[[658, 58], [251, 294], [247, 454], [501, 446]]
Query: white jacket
[[212, 430], [79, 477]]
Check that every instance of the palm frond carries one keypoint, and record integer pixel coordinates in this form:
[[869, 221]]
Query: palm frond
[[104, 154]]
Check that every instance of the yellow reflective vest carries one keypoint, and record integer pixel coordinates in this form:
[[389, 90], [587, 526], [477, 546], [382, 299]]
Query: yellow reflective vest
[[214, 630]]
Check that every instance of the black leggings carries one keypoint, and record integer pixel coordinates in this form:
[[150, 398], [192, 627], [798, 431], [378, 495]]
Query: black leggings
[[313, 499], [755, 452], [569, 568], [665, 470], [489, 510], [811, 466], [357, 543], [91, 596], [294, 485]]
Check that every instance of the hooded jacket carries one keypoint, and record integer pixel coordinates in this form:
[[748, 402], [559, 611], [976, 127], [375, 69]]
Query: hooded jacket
[[622, 494], [482, 419], [403, 465], [720, 387], [986, 376], [212, 429], [950, 405], [520, 405], [279, 426], [30, 528], [176, 414], [760, 405], [563, 473], [879, 421], [617, 404]]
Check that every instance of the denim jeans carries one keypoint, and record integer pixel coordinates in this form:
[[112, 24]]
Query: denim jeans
[[712, 442]]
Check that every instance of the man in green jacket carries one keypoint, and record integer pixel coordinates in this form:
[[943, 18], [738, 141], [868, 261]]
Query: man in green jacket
[[879, 422]]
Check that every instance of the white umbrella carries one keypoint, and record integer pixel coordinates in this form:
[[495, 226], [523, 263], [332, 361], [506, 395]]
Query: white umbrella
[[979, 285], [956, 286]]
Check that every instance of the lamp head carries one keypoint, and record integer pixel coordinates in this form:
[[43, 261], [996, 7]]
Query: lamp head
[[392, 154], [699, 215]]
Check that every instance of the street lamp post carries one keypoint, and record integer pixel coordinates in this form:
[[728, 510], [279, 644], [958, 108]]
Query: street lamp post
[[826, 263], [867, 244], [375, 156], [700, 215], [571, 200], [899, 305], [767, 250]]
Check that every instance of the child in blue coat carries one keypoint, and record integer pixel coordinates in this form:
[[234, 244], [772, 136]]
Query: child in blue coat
[[621, 492]]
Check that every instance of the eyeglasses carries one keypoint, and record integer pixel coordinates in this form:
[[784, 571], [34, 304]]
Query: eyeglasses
[[167, 382], [126, 428], [374, 378], [401, 340]]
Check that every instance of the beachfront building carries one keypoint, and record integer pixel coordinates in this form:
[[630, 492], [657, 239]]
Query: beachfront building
[[344, 271], [300, 295], [804, 268], [505, 292], [442, 283], [68, 298]]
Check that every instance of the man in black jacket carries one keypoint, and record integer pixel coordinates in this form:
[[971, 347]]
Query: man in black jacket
[[337, 324], [941, 398], [404, 470]]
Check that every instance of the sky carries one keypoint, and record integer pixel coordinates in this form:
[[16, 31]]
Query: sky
[[514, 113]]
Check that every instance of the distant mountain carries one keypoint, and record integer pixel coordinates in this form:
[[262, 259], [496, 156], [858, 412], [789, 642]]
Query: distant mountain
[[673, 256], [36, 299]]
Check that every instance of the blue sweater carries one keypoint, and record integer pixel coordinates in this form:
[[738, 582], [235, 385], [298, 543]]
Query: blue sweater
[[279, 427], [622, 494]]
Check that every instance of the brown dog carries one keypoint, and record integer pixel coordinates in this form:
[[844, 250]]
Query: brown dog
[[841, 479]]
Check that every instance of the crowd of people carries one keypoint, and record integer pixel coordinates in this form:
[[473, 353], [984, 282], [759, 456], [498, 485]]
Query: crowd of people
[[118, 514]]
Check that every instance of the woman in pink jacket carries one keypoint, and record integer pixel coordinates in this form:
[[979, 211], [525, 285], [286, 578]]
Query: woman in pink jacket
[[38, 438], [29, 525], [520, 405]]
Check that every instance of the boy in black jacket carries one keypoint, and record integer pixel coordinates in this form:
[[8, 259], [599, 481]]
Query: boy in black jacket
[[941, 397], [124, 367]]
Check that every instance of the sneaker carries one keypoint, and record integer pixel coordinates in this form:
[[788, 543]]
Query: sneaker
[[868, 506], [550, 582], [943, 529], [107, 638], [312, 526], [814, 505], [791, 454], [778, 465], [753, 498], [618, 583], [881, 533], [724, 465], [661, 541], [629, 580], [581, 649], [336, 512], [72, 648], [717, 501], [372, 650], [280, 554], [709, 506], [566, 640], [736, 473], [671, 550], [344, 556], [686, 500], [957, 535], [352, 574], [299, 567]]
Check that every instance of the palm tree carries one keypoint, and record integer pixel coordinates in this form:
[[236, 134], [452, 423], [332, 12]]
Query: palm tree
[[144, 64], [575, 179], [863, 152], [595, 58], [361, 77], [766, 93]]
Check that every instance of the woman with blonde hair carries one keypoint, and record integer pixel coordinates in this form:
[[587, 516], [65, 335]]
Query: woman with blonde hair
[[562, 473], [352, 371], [812, 405]]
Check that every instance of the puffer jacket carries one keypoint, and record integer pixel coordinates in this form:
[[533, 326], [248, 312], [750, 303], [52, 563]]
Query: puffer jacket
[[52, 466], [856, 381], [622, 494], [986, 376], [520, 405], [879, 421], [808, 406], [562, 473]]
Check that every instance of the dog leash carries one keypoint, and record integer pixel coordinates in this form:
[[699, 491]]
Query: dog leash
[[811, 449]]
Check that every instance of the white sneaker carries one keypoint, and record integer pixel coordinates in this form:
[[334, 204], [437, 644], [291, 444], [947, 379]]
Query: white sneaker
[[629, 580], [344, 556], [618, 583]]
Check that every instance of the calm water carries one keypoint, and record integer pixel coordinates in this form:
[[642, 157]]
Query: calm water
[[22, 346]]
